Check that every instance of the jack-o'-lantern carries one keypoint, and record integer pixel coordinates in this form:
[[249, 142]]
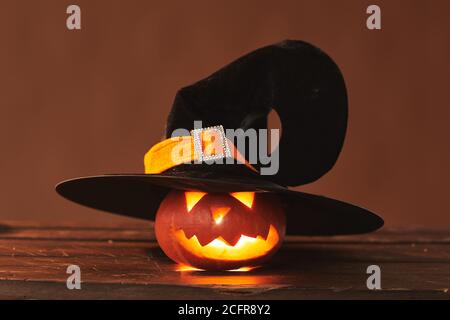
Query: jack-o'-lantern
[[219, 231]]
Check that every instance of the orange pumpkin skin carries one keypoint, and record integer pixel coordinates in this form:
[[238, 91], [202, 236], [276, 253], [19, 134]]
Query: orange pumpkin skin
[[218, 231]]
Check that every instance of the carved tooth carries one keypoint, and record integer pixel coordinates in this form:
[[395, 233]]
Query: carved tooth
[[233, 239], [187, 233], [204, 240], [266, 232]]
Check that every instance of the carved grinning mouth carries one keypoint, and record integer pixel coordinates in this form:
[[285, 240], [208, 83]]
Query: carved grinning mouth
[[222, 231], [219, 249]]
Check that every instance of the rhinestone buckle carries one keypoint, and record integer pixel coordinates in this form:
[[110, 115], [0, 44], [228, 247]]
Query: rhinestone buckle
[[219, 133]]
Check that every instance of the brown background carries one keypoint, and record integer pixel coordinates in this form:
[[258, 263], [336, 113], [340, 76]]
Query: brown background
[[93, 101]]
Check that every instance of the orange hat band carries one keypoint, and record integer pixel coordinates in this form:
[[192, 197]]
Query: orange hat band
[[201, 145]]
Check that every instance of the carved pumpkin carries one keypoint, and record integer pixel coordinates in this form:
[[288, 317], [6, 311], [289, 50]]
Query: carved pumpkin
[[217, 231]]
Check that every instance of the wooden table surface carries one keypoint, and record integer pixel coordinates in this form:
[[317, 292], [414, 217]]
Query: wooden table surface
[[125, 262]]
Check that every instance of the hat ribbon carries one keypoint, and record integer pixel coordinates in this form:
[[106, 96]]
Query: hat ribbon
[[205, 144]]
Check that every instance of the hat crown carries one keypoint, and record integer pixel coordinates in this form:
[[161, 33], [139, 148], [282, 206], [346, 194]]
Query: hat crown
[[293, 77]]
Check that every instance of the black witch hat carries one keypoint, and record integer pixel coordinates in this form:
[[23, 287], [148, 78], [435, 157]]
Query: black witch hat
[[307, 90]]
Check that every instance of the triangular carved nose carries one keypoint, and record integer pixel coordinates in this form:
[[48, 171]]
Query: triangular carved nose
[[218, 213]]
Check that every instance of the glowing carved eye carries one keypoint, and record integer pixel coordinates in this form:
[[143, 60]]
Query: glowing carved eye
[[245, 198], [192, 197]]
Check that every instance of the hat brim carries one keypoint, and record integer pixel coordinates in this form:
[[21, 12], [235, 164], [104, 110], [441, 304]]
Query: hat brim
[[139, 196]]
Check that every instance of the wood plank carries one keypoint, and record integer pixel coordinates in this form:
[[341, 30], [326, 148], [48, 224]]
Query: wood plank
[[143, 231], [52, 290], [106, 224], [336, 276], [300, 251], [63, 233]]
